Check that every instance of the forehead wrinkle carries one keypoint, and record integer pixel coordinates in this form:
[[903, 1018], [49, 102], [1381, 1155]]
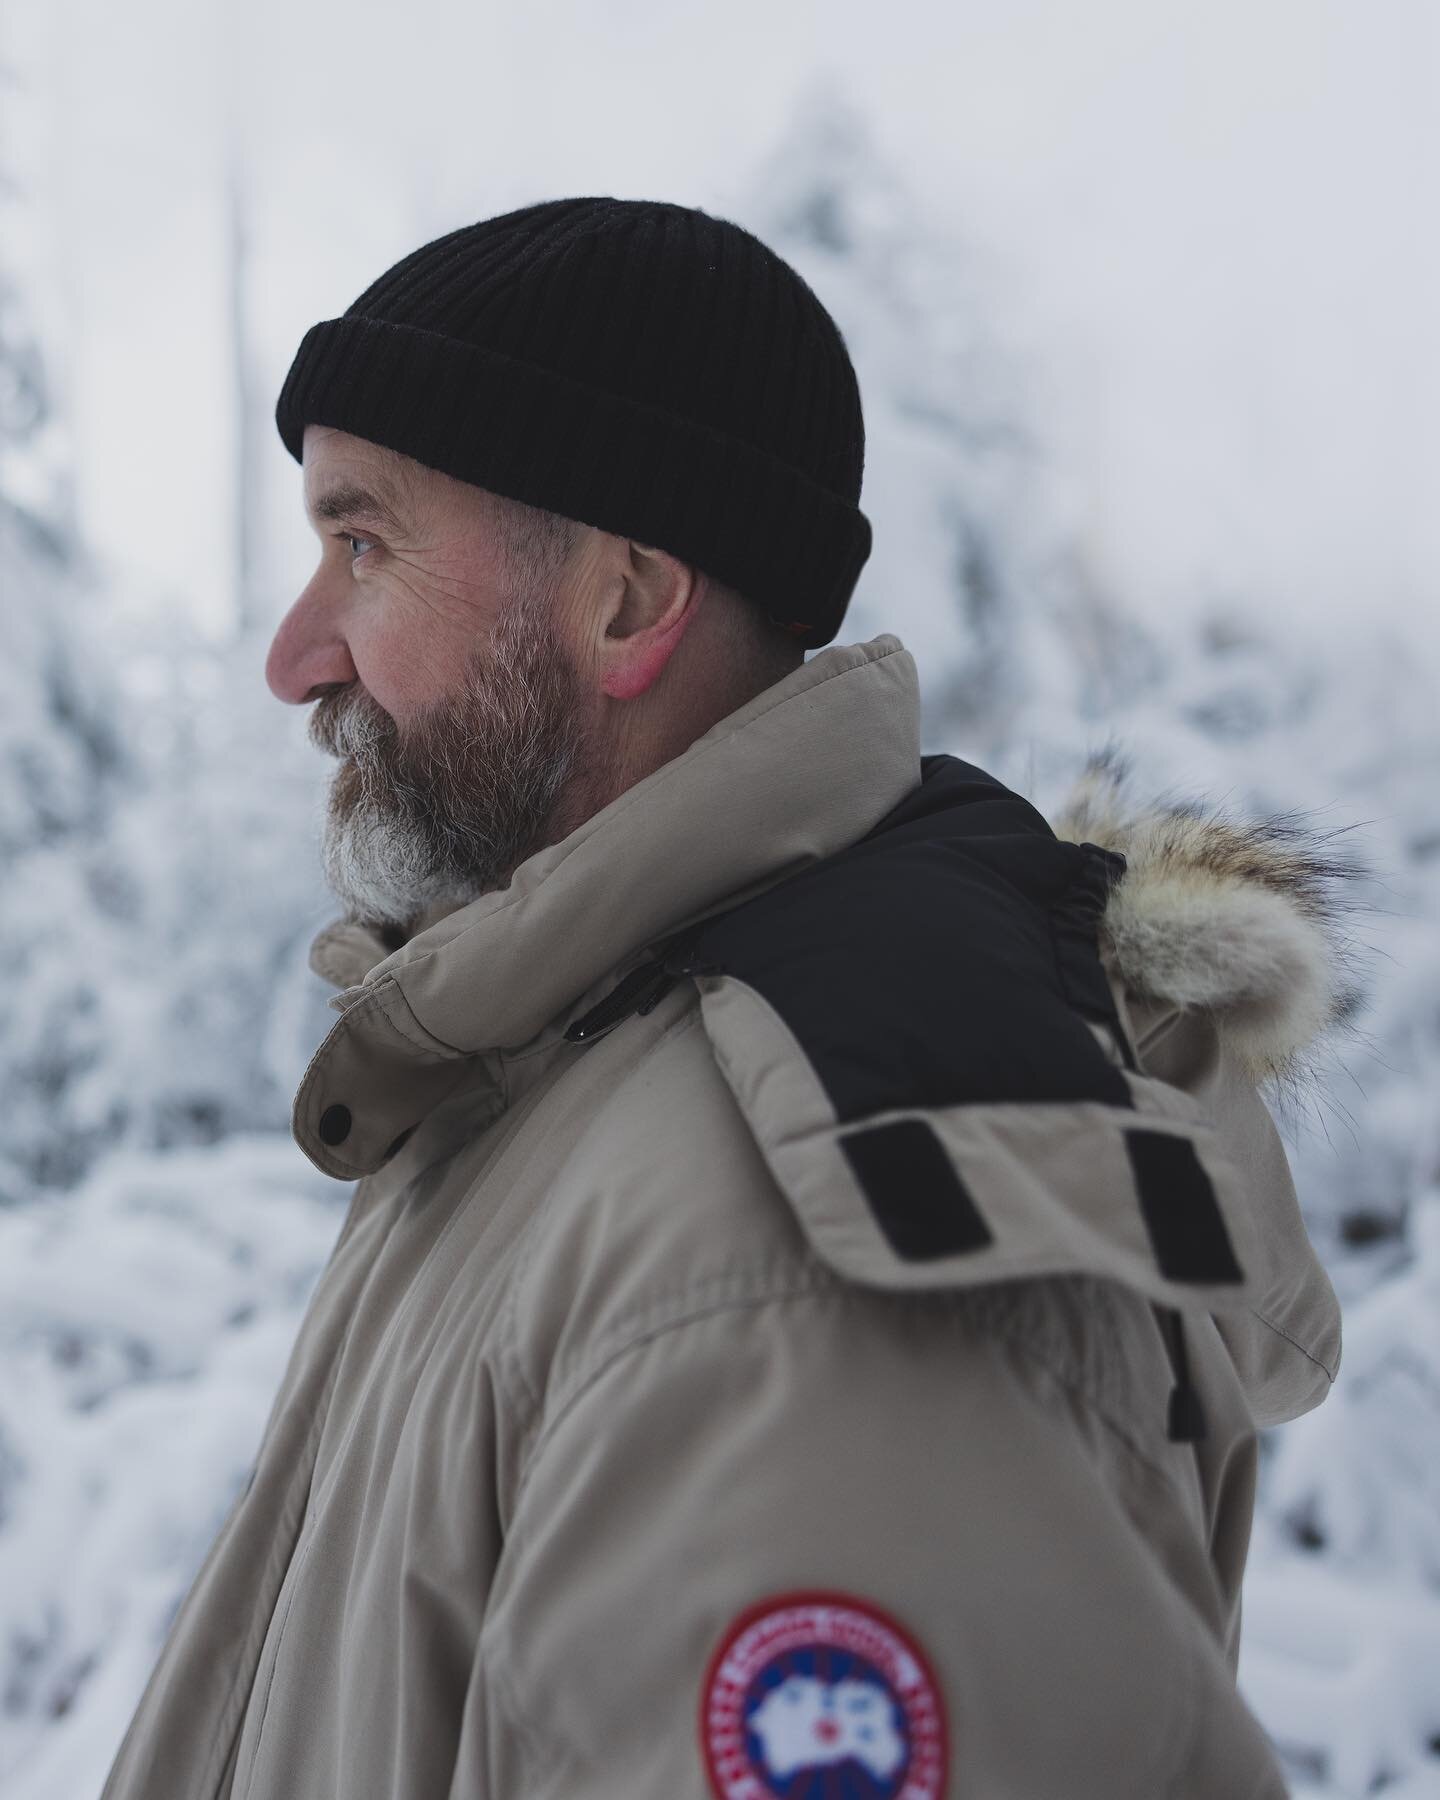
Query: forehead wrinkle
[[353, 502]]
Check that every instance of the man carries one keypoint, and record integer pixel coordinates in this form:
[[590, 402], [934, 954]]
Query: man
[[818, 1261]]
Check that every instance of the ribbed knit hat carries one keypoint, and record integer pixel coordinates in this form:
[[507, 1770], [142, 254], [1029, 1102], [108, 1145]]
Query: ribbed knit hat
[[636, 365]]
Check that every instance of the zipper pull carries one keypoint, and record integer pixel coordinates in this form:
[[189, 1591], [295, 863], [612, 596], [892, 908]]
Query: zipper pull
[[643, 988], [640, 991]]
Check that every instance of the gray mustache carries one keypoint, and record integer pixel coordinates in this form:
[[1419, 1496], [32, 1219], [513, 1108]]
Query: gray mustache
[[349, 724]]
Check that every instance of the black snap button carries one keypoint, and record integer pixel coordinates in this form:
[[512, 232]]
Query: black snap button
[[334, 1124]]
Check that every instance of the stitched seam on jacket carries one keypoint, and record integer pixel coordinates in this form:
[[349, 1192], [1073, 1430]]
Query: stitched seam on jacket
[[1085, 1390], [805, 1281], [509, 1362], [1190, 1688], [397, 1013], [540, 1748], [1187, 1683], [975, 1307], [294, 1572], [229, 1741], [608, 1353], [1295, 1343], [736, 1288]]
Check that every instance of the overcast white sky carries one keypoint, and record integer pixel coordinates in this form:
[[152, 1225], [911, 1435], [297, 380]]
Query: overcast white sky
[[1210, 225]]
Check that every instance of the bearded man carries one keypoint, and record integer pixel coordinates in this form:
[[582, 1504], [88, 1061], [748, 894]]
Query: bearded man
[[819, 1260]]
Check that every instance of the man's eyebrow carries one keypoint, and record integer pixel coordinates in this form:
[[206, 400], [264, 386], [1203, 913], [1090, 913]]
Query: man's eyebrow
[[349, 501]]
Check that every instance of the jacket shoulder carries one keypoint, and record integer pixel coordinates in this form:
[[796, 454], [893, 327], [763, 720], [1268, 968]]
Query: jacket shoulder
[[669, 1218], [911, 1068], [923, 1037]]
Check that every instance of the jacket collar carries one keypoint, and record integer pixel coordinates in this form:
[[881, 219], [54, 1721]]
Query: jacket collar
[[802, 770]]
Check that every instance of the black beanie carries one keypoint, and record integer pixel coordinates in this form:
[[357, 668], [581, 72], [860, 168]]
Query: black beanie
[[636, 365]]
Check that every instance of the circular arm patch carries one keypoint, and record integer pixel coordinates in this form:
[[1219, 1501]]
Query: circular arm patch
[[817, 1695]]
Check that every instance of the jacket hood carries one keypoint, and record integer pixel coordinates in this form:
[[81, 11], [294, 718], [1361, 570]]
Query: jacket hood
[[917, 992], [1241, 919], [933, 1043]]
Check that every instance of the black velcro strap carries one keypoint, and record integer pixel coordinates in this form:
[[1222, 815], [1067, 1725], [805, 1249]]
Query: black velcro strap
[[918, 1200], [1181, 1212]]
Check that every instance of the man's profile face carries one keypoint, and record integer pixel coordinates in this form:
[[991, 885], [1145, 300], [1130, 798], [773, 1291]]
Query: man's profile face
[[459, 710]]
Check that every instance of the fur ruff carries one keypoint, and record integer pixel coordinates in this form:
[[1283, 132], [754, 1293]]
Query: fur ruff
[[1240, 919]]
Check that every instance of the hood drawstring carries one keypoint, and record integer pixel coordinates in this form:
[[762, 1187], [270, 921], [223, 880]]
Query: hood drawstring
[[1186, 1419]]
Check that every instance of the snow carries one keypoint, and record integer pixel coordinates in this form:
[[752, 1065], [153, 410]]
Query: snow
[[145, 1318], [160, 1233]]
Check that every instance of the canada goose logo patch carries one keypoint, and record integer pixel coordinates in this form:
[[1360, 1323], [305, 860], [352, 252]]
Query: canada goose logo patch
[[815, 1695]]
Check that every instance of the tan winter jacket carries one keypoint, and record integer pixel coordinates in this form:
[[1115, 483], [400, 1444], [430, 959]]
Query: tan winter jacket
[[765, 1351]]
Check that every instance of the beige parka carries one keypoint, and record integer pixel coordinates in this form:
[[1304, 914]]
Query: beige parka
[[752, 1392]]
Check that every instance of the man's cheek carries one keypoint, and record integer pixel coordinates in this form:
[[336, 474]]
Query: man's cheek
[[384, 653]]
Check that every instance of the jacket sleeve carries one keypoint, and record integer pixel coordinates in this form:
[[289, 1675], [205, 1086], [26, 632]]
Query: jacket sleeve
[[944, 1462]]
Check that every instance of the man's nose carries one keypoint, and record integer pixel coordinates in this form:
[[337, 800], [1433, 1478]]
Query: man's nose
[[309, 651]]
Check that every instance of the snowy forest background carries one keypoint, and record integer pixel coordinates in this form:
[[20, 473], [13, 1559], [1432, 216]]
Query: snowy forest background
[[1179, 497]]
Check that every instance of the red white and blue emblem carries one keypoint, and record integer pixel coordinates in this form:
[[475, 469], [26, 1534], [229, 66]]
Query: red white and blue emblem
[[821, 1697]]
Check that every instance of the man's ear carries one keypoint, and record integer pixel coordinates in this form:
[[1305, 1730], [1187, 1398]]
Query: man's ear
[[655, 601]]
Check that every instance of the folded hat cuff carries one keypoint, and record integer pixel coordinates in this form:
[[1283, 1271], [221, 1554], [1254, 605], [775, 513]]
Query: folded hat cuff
[[517, 428]]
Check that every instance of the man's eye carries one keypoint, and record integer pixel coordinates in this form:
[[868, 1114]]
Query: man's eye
[[352, 539]]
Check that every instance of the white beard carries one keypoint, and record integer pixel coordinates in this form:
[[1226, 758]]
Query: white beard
[[448, 810], [379, 870]]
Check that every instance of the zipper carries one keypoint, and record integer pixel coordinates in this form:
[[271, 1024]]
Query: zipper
[[641, 990]]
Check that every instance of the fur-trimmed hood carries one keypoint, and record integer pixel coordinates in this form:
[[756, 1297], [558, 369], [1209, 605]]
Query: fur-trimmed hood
[[1240, 919]]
